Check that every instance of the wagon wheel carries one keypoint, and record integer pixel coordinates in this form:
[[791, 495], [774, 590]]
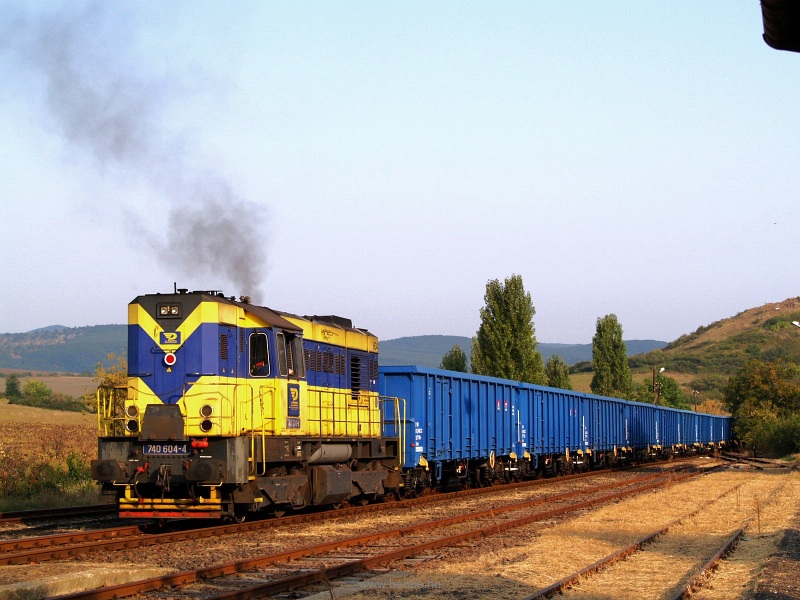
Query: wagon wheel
[[236, 513], [414, 490], [360, 500]]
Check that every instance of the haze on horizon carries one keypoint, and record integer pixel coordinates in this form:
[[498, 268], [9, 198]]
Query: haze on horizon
[[384, 161]]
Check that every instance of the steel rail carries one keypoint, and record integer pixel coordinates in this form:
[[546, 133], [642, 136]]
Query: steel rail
[[25, 550], [44, 514], [193, 576], [686, 590], [63, 539], [563, 584]]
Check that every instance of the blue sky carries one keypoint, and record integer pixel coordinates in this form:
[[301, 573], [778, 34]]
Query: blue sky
[[383, 161]]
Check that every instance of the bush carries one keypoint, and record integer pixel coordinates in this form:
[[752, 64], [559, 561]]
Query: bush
[[24, 477], [774, 437], [37, 394]]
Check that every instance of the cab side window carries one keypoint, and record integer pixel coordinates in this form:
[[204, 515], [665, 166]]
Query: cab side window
[[290, 355], [259, 355]]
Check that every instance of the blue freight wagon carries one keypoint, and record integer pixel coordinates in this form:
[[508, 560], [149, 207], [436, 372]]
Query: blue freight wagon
[[459, 428]]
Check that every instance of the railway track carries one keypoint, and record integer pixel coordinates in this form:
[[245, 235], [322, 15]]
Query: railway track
[[57, 514], [384, 546], [77, 543], [686, 585], [762, 464]]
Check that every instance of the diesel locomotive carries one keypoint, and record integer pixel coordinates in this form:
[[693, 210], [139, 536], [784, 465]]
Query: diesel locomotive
[[231, 408]]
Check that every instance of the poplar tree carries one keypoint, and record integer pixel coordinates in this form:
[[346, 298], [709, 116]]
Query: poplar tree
[[455, 360], [557, 372], [13, 390], [505, 344], [612, 375]]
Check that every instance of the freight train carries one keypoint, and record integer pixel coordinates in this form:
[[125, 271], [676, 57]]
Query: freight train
[[231, 408]]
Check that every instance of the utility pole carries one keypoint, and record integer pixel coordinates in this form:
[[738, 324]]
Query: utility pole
[[657, 384]]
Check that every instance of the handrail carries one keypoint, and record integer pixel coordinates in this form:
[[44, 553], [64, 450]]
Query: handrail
[[399, 424]]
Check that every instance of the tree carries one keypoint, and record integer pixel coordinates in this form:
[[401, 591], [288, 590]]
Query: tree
[[112, 376], [36, 393], [454, 360], [775, 384], [557, 372], [505, 344], [669, 392], [612, 375], [765, 401], [13, 390]]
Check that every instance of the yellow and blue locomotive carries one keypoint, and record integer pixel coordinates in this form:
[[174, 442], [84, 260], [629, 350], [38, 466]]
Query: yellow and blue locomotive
[[232, 407]]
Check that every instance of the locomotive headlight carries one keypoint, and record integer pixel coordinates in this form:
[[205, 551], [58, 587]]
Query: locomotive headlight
[[131, 411], [132, 425], [206, 425], [169, 310], [170, 359], [206, 410]]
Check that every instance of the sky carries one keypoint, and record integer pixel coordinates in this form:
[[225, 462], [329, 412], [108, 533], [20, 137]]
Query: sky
[[383, 161]]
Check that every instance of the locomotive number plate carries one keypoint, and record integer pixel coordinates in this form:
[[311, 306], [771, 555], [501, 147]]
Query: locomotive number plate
[[166, 449]]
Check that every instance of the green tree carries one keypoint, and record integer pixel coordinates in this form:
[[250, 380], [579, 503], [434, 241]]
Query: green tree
[[669, 392], [505, 344], [764, 398], [557, 372], [775, 384], [455, 360], [612, 375], [36, 393], [13, 390]]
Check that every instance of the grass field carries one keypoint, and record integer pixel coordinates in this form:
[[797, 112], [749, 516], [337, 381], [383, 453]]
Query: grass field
[[15, 413], [44, 457], [62, 383]]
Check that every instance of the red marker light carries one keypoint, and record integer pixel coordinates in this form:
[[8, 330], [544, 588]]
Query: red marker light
[[170, 359]]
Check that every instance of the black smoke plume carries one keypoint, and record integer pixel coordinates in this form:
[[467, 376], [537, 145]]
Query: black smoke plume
[[102, 101]]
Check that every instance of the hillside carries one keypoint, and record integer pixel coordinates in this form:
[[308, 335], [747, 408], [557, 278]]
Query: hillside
[[704, 360], [61, 349], [427, 350], [57, 349]]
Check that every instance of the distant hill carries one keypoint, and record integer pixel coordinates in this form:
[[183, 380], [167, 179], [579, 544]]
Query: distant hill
[[427, 350], [59, 349], [701, 361]]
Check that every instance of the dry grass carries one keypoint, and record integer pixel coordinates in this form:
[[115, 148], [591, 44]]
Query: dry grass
[[15, 413], [727, 328], [525, 560]]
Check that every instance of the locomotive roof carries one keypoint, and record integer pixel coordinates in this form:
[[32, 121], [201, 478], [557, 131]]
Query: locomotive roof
[[262, 313], [269, 316]]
